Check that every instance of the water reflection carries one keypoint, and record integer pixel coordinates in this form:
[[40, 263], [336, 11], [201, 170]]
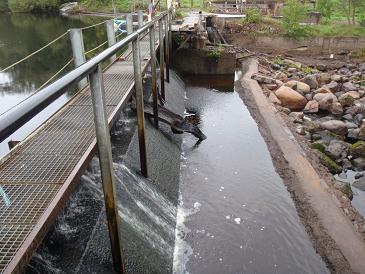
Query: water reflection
[[22, 34]]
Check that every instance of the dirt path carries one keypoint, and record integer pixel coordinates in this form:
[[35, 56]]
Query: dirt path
[[331, 232]]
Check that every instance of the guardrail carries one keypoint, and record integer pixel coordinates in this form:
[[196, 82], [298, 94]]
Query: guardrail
[[20, 114]]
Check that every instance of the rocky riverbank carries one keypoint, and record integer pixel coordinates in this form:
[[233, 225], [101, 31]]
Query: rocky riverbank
[[326, 104]]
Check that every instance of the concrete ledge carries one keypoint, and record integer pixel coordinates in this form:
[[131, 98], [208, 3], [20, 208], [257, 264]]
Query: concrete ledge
[[332, 233]]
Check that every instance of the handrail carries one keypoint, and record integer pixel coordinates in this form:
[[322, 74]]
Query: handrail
[[17, 116]]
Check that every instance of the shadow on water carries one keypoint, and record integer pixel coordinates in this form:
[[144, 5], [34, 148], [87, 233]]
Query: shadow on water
[[235, 214]]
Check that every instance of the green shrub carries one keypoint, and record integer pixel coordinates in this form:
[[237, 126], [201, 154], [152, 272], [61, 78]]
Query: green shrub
[[346, 189], [294, 13], [253, 15], [32, 5]]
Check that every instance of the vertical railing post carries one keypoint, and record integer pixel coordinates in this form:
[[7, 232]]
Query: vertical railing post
[[78, 51], [154, 74], [129, 27], [140, 107], [140, 19], [170, 37], [109, 24], [106, 166], [167, 48], [162, 66]]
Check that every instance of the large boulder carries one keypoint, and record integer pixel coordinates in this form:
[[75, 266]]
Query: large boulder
[[311, 107], [325, 100], [298, 86], [273, 99], [290, 98], [360, 184], [335, 126], [311, 80]]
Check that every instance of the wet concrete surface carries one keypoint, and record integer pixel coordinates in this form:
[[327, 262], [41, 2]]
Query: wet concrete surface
[[235, 214]]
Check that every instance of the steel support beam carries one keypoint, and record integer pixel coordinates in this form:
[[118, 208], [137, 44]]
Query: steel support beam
[[78, 51], [154, 74], [167, 48], [109, 25], [162, 58], [140, 109], [106, 166]]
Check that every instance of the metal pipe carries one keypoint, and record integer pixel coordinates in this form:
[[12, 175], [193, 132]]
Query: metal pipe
[[162, 66], [140, 108], [106, 166], [154, 75], [78, 51], [140, 19], [109, 25], [20, 114], [167, 48]]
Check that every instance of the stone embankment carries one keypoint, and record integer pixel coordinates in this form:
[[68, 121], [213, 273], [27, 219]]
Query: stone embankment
[[326, 105]]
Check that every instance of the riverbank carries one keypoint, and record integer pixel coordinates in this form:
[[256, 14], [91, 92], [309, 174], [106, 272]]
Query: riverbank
[[318, 204]]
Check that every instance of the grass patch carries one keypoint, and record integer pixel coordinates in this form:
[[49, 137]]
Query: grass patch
[[337, 30]]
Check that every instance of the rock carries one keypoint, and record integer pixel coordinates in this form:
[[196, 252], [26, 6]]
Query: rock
[[350, 125], [359, 163], [300, 130], [336, 78], [354, 94], [292, 63], [337, 149], [308, 96], [321, 67], [330, 164], [346, 100], [353, 133], [298, 86], [348, 86], [271, 86], [275, 66], [348, 117], [361, 66], [324, 78], [335, 126], [281, 76], [292, 70], [353, 110], [311, 80], [273, 99], [323, 89], [358, 149], [343, 71], [359, 175], [332, 86], [311, 107], [290, 98], [262, 79], [325, 100], [358, 118], [361, 135], [297, 117], [346, 164], [360, 184], [336, 108]]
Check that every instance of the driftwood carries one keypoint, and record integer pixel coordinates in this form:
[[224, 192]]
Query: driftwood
[[177, 123]]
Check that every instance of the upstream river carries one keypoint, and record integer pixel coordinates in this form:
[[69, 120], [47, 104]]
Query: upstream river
[[22, 34]]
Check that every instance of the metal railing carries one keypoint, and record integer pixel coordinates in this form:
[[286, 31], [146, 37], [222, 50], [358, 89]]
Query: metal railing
[[16, 117]]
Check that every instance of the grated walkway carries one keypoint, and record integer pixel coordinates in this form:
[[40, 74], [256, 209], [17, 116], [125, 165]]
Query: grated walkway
[[40, 174]]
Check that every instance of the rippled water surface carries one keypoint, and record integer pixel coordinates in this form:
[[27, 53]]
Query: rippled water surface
[[235, 214]]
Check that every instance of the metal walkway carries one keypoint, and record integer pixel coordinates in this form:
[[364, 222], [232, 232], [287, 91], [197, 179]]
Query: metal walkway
[[40, 173]]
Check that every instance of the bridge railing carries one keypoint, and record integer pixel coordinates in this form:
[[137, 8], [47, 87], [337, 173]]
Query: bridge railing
[[20, 114]]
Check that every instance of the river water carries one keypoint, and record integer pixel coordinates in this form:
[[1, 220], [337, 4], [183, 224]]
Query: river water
[[235, 214], [22, 34]]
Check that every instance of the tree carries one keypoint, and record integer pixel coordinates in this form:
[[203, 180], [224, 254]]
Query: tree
[[325, 7], [293, 14]]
